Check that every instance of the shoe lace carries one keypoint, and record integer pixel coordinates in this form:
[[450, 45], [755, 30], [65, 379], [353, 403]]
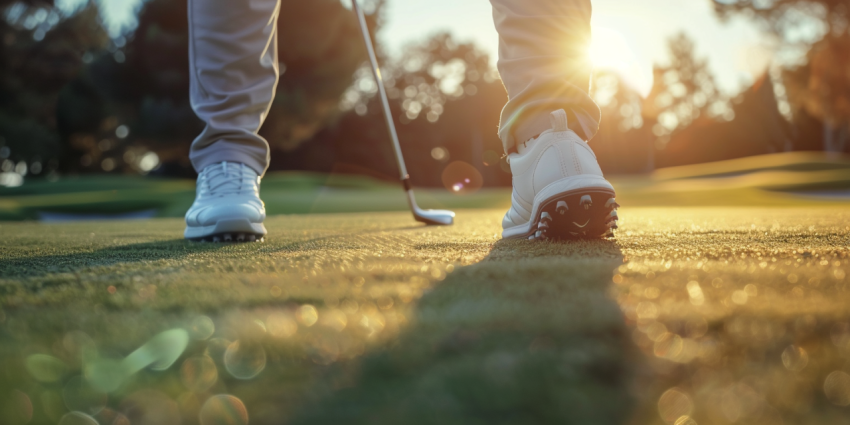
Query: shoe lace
[[230, 179]]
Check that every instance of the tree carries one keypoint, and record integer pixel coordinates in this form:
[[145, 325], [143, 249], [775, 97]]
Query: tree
[[445, 97], [683, 91], [144, 86], [42, 52], [820, 87], [624, 143]]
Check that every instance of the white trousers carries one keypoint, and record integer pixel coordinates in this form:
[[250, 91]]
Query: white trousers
[[234, 72]]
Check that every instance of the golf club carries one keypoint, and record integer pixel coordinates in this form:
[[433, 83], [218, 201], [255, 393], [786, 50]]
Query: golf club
[[439, 217]]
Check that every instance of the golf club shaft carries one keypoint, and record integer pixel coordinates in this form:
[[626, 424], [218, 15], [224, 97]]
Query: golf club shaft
[[388, 116]]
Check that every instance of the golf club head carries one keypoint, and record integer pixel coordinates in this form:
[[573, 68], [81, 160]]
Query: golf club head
[[434, 217], [430, 217]]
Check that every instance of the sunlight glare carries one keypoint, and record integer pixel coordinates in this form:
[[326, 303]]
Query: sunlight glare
[[610, 50]]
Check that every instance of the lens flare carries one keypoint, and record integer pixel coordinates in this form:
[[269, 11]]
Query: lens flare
[[462, 178], [611, 50]]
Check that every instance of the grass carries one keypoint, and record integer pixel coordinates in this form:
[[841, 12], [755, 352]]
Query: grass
[[370, 318], [786, 179], [728, 314]]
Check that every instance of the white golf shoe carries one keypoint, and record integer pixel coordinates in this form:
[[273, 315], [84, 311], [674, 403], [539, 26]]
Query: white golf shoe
[[227, 205], [559, 191]]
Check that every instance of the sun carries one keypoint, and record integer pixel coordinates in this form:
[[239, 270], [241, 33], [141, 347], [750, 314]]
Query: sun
[[610, 50]]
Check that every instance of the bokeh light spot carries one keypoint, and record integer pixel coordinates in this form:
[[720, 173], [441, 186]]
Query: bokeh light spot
[[77, 418], [45, 368], [223, 409], [245, 360], [307, 315], [837, 388], [440, 153], [795, 358], [674, 404], [198, 374], [281, 325], [159, 353], [201, 328]]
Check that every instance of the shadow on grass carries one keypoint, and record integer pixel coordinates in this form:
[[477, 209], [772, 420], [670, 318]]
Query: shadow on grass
[[41, 265], [527, 336], [174, 249]]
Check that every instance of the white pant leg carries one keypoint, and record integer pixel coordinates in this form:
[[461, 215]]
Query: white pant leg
[[234, 73], [544, 66]]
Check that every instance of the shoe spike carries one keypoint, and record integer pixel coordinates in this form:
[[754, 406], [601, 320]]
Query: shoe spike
[[228, 237], [252, 238], [611, 202], [586, 202], [216, 239], [240, 237], [543, 225], [545, 216], [614, 215], [562, 207]]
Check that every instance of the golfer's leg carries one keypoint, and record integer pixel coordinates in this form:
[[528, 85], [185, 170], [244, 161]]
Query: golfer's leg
[[234, 72], [559, 191], [544, 66]]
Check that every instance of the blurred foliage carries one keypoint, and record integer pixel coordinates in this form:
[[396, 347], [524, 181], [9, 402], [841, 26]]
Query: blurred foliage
[[104, 104], [42, 52], [819, 87], [74, 100], [683, 91], [786, 17]]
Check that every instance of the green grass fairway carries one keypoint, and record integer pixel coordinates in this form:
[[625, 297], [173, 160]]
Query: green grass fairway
[[696, 315], [783, 179]]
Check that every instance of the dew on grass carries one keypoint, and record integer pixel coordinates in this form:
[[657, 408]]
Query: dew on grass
[[81, 396], [45, 368], [77, 418], [223, 409], [244, 359], [201, 328], [198, 374]]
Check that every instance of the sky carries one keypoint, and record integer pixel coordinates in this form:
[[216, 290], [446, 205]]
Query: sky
[[737, 51], [635, 30]]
